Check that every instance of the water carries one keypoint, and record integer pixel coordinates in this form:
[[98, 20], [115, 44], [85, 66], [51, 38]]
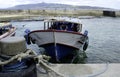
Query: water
[[104, 37]]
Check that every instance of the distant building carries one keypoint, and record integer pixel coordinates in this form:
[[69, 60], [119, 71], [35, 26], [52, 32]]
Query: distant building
[[109, 13]]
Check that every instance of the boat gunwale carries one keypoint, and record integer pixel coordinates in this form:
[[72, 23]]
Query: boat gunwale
[[53, 30]]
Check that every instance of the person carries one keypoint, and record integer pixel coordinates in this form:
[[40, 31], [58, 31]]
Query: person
[[53, 27], [63, 27], [75, 28]]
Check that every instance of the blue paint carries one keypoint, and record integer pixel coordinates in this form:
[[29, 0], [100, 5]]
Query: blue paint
[[62, 50], [15, 67], [50, 50]]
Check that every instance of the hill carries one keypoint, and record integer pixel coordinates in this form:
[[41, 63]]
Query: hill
[[53, 6]]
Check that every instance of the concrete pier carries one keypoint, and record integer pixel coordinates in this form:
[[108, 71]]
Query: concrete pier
[[84, 70]]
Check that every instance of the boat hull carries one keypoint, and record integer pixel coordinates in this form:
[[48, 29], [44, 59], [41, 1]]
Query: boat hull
[[59, 52], [58, 44]]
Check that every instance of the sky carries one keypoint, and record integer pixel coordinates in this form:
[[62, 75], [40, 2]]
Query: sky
[[102, 3]]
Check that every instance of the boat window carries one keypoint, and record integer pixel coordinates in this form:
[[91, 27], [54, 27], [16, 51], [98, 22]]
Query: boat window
[[63, 25]]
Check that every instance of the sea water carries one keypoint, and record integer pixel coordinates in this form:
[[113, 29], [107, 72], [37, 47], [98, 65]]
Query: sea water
[[104, 37]]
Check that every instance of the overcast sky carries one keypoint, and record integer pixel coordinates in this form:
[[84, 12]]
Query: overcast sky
[[102, 3]]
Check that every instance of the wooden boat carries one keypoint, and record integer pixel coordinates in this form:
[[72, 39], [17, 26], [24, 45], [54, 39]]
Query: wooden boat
[[6, 30], [61, 39]]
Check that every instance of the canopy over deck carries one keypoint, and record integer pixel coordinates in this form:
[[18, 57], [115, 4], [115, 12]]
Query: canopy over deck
[[63, 24]]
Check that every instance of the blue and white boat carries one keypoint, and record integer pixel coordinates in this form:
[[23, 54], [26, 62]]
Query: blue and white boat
[[6, 30], [60, 38]]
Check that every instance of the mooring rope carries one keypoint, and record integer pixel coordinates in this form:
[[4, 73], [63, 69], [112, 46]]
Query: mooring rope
[[29, 53], [101, 72], [43, 62]]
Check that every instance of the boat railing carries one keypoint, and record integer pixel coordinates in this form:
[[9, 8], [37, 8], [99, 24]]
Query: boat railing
[[63, 25]]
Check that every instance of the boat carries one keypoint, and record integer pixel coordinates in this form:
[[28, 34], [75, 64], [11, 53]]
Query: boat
[[6, 29], [61, 39]]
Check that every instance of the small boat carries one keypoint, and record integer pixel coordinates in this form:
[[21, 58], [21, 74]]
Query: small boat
[[61, 39], [6, 29]]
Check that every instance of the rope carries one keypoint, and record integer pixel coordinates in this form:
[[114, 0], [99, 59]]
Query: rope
[[32, 54], [41, 70], [101, 72], [46, 67], [19, 57], [43, 62]]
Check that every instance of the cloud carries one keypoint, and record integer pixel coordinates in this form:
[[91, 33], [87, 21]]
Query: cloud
[[101, 3], [4, 3]]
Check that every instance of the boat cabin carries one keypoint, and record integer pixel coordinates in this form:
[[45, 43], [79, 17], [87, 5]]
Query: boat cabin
[[63, 25]]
